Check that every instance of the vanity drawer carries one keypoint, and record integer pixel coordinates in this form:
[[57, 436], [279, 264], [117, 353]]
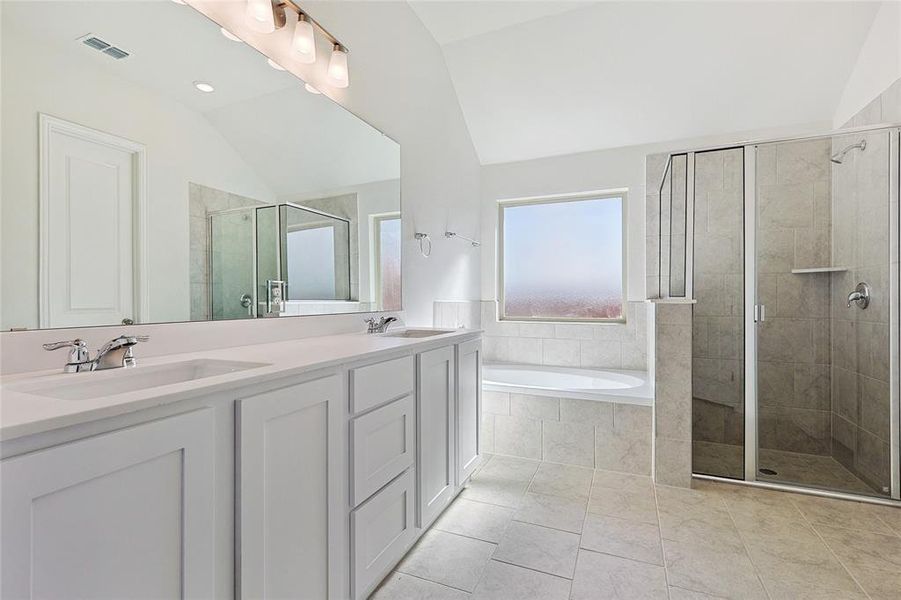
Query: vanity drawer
[[376, 384], [381, 531], [382, 447]]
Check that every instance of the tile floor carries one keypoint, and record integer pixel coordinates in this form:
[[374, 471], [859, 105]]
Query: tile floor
[[526, 530], [726, 460]]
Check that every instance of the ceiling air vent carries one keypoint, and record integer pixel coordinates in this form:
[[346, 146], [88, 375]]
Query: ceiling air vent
[[117, 53], [92, 41]]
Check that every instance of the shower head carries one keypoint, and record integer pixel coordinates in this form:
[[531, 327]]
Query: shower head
[[838, 157]]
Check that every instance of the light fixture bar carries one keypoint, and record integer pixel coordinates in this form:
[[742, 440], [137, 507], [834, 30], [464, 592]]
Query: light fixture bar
[[290, 5]]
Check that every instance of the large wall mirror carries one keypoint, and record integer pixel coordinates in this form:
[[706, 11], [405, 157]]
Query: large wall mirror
[[156, 171]]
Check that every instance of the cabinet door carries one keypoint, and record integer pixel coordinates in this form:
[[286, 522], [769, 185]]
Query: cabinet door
[[288, 473], [435, 470], [469, 408], [381, 531], [125, 514]]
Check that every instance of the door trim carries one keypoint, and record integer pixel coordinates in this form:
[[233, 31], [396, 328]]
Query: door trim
[[49, 125]]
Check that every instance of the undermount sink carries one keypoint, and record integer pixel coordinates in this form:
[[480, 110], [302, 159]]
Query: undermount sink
[[417, 333], [119, 381]]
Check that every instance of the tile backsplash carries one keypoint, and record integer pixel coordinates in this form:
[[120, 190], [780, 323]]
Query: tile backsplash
[[589, 345]]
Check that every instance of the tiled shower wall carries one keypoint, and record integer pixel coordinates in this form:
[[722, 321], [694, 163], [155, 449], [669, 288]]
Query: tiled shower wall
[[860, 385], [202, 201]]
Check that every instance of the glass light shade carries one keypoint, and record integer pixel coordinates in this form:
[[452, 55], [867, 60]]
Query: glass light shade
[[311, 89], [229, 35], [260, 15], [275, 65], [304, 41], [337, 68]]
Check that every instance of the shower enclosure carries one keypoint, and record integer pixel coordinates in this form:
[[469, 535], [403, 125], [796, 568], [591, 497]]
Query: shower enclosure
[[790, 250], [265, 258]]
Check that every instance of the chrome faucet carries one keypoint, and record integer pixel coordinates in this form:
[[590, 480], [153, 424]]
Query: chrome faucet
[[380, 326], [115, 354], [860, 295]]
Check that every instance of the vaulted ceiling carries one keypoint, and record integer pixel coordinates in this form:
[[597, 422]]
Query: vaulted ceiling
[[548, 78]]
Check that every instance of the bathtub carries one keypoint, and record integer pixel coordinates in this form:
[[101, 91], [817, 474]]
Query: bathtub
[[610, 385]]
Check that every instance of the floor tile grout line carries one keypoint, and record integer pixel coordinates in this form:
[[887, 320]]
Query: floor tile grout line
[[744, 546], [422, 579], [496, 546], [828, 547], [660, 538], [533, 569], [630, 559]]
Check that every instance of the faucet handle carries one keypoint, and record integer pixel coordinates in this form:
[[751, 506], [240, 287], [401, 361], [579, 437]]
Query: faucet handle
[[78, 355], [76, 343]]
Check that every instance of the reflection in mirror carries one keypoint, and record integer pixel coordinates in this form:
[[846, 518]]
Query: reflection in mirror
[[154, 181]]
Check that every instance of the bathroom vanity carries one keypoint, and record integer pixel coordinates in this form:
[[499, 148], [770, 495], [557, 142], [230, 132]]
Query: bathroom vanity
[[293, 469]]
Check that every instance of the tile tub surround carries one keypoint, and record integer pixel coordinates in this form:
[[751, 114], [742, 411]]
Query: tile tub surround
[[587, 345], [672, 394], [600, 535], [586, 433]]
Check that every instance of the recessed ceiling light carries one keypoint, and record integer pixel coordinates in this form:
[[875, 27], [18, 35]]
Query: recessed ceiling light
[[311, 89], [275, 65], [228, 34], [204, 87]]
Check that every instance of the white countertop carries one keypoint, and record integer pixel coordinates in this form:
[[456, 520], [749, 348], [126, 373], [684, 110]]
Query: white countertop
[[23, 413]]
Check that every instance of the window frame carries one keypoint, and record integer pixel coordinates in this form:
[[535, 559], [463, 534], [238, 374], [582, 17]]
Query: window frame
[[376, 254], [622, 194]]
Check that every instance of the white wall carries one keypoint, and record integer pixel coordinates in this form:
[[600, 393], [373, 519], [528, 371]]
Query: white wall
[[593, 171], [878, 64], [400, 84], [181, 147]]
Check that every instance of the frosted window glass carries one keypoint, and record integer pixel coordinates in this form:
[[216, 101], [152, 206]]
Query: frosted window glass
[[311, 264], [563, 260], [389, 264]]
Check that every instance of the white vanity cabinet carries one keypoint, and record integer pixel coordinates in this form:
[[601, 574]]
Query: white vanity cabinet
[[469, 408], [290, 467], [306, 483], [435, 384], [137, 501]]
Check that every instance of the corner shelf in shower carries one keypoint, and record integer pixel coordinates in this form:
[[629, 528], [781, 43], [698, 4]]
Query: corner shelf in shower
[[819, 270]]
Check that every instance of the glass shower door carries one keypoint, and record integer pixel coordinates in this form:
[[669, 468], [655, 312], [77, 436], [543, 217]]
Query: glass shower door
[[823, 368]]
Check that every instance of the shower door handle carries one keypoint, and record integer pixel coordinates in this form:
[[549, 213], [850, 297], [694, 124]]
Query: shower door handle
[[759, 313]]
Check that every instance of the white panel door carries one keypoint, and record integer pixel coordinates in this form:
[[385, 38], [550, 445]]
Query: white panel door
[[289, 469], [126, 514], [469, 408], [87, 227], [435, 412]]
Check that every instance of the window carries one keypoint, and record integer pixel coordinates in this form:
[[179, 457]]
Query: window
[[561, 259], [387, 260]]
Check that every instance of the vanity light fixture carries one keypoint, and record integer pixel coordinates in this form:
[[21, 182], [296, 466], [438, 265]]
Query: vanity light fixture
[[231, 36], [311, 89], [337, 67], [264, 16], [275, 65], [205, 87], [304, 40]]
